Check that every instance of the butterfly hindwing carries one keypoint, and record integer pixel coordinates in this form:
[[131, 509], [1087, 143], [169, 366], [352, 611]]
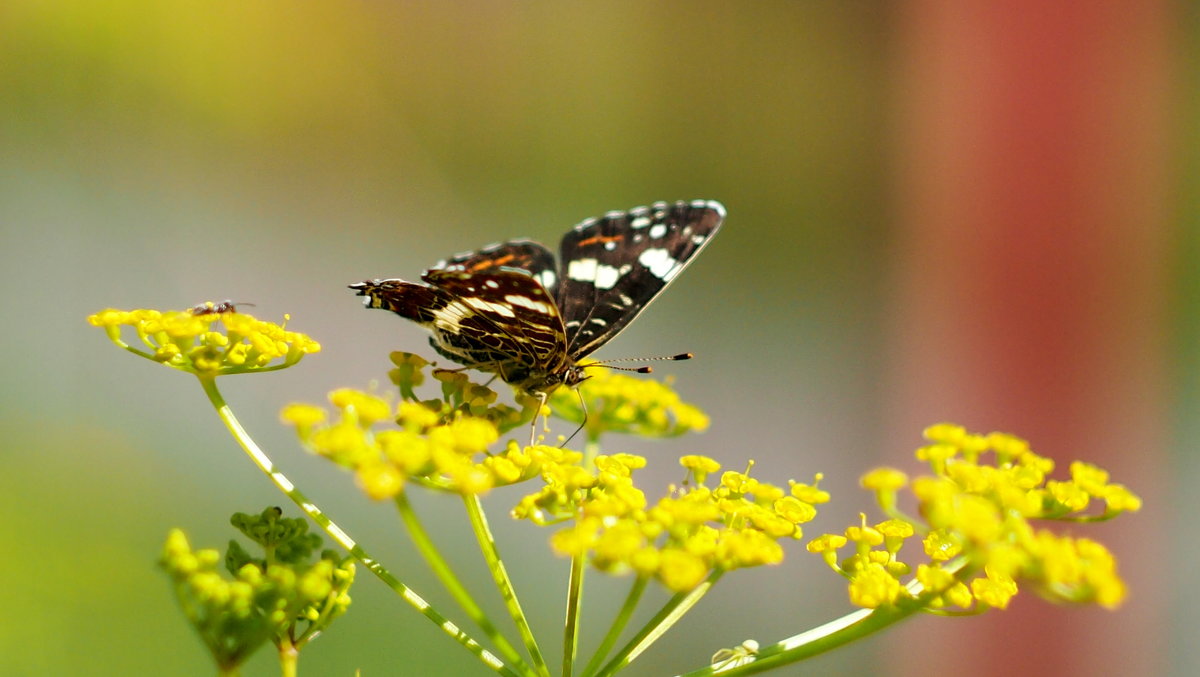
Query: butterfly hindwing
[[613, 266], [409, 300], [502, 321]]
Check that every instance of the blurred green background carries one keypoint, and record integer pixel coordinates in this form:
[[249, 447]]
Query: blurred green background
[[159, 154]]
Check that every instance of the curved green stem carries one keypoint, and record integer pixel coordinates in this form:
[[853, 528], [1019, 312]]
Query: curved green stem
[[846, 629], [339, 536], [487, 543], [618, 625], [671, 612], [574, 602], [441, 568]]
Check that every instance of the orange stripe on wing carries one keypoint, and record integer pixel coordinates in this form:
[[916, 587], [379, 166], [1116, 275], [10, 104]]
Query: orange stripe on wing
[[492, 263], [600, 239]]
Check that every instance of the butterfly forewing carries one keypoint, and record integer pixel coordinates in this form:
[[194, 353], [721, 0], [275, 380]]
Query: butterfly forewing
[[613, 266]]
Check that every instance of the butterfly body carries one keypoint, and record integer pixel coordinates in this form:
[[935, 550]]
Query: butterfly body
[[508, 309]]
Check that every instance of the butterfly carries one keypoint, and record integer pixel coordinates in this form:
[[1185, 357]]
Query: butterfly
[[509, 310]]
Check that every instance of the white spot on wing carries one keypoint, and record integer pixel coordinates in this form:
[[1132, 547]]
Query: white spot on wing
[[497, 308], [658, 231], [608, 276], [640, 222], [447, 318], [526, 302], [547, 278], [491, 284], [660, 263], [583, 270]]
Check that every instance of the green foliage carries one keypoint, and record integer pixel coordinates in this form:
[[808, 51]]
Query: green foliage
[[284, 597]]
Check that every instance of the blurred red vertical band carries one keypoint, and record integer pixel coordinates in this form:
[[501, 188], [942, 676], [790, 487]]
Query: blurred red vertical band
[[1032, 187]]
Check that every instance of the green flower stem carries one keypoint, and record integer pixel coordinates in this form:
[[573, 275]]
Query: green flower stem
[[289, 655], [491, 555], [848, 628], [339, 536], [591, 449], [618, 625], [574, 602], [853, 626], [671, 612], [441, 568]]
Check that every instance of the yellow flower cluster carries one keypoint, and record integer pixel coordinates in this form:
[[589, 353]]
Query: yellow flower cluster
[[976, 529], [188, 341], [621, 403], [688, 534], [459, 395], [445, 444], [425, 447]]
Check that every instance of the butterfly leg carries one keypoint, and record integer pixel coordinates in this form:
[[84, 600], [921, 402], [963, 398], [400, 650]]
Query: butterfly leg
[[582, 423], [533, 424]]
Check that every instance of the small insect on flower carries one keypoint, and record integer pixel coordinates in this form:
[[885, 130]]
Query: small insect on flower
[[192, 340], [505, 309], [210, 308]]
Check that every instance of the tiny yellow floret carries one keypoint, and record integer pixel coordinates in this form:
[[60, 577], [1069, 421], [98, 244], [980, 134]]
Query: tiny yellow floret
[[884, 479], [874, 587]]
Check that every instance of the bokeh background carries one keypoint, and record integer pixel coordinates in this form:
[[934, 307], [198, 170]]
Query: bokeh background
[[959, 210]]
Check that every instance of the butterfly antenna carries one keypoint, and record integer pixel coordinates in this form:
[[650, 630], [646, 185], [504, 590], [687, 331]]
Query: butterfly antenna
[[644, 369]]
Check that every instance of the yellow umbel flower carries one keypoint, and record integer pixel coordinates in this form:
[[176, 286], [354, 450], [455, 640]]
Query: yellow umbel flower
[[692, 532], [188, 340], [620, 403], [976, 516], [682, 538], [442, 454]]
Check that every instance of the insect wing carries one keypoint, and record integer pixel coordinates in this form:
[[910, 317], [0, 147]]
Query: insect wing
[[503, 312], [614, 266]]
